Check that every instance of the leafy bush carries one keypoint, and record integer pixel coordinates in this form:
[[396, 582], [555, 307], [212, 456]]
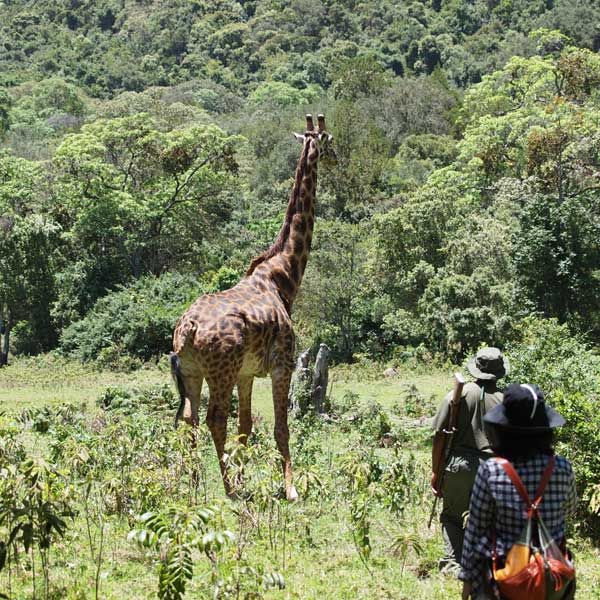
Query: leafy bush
[[400, 483], [412, 402], [35, 507], [43, 418], [366, 416], [567, 371], [150, 399], [137, 320]]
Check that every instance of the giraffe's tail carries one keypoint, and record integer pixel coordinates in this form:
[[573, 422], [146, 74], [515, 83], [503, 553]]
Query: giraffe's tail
[[178, 378]]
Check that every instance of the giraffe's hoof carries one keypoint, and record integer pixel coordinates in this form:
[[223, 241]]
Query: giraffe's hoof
[[292, 494]]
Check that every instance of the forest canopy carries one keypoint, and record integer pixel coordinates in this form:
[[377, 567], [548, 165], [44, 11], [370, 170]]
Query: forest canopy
[[146, 153]]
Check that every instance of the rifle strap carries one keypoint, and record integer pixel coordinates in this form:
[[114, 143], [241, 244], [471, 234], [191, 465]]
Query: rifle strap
[[482, 407]]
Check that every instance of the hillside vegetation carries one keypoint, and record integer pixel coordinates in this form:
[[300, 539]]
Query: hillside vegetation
[[141, 138], [146, 156]]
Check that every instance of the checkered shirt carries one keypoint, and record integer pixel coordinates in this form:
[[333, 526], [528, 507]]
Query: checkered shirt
[[495, 503]]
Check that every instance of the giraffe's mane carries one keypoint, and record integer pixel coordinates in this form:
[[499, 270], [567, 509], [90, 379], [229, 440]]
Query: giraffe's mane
[[284, 232]]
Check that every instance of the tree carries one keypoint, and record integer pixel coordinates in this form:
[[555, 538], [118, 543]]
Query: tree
[[283, 94], [5, 104], [26, 282], [535, 121], [358, 77], [361, 160], [332, 307], [140, 200], [27, 251]]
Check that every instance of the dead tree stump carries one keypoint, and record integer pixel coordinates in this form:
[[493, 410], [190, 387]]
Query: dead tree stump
[[300, 386], [320, 379]]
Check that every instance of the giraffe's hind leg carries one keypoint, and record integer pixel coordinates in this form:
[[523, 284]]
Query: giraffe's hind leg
[[189, 386], [193, 394]]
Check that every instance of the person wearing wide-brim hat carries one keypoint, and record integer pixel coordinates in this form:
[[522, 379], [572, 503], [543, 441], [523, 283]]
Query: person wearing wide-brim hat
[[469, 447], [522, 431]]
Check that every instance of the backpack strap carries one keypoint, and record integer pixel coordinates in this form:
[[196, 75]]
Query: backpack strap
[[514, 477]]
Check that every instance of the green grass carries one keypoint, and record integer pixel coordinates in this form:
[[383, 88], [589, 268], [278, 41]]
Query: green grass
[[311, 542]]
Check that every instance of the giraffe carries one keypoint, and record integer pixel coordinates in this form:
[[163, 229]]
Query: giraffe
[[231, 337]]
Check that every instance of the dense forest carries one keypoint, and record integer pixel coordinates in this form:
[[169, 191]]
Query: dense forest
[[146, 155]]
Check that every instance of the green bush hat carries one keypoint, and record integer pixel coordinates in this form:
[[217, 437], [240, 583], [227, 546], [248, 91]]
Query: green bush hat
[[489, 364]]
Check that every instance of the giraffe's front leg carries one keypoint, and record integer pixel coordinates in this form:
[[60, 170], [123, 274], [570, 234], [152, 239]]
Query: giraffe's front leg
[[280, 379]]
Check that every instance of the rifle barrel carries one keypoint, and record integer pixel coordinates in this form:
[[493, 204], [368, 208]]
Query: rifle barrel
[[459, 383]]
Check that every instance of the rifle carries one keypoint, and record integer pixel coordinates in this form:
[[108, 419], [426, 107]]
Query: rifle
[[448, 431]]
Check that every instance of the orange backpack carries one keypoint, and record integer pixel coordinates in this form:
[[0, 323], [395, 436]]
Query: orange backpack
[[535, 568]]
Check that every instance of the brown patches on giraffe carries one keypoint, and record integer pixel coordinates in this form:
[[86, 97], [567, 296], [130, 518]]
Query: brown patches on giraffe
[[298, 246], [228, 338]]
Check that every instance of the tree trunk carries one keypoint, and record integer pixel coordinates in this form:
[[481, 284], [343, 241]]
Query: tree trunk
[[300, 388], [5, 327], [320, 378]]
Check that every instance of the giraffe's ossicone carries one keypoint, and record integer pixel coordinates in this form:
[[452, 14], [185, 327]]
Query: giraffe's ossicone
[[231, 337]]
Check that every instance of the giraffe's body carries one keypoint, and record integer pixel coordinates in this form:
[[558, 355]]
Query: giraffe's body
[[228, 338]]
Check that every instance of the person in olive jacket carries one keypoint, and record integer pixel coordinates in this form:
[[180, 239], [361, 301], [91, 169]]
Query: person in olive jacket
[[470, 446]]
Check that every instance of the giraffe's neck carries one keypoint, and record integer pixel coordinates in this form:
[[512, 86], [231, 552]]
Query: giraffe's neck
[[286, 263]]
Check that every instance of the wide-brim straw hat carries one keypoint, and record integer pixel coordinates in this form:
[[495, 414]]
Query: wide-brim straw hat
[[524, 410], [488, 364]]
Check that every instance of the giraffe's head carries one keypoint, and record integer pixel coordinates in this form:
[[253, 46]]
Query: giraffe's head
[[320, 139]]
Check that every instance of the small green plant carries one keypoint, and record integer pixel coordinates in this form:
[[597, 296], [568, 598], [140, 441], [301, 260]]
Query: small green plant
[[246, 581], [173, 534], [308, 435], [34, 506], [95, 525], [41, 419], [403, 543], [399, 483], [366, 416], [412, 403], [363, 470], [360, 506]]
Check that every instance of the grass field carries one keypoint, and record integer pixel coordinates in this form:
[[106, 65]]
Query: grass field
[[357, 532]]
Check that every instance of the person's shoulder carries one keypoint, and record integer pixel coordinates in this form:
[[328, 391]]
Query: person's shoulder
[[470, 388], [471, 392], [493, 462], [490, 466], [563, 464]]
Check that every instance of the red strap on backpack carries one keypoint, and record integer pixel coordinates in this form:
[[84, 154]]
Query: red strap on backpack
[[533, 569], [514, 477]]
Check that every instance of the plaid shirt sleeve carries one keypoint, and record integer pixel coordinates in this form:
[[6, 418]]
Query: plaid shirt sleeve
[[479, 523]]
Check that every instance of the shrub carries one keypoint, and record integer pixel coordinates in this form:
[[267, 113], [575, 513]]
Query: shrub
[[412, 402], [150, 399], [137, 320], [41, 419], [399, 483], [174, 534], [567, 371], [366, 416]]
